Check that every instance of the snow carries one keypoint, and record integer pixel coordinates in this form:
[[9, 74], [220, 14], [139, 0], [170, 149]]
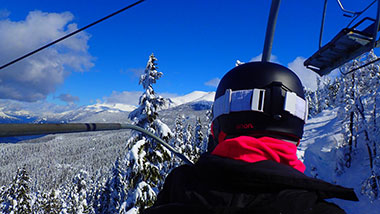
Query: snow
[[134, 152], [115, 107], [194, 96], [133, 210], [318, 129], [6, 116], [320, 151], [162, 128]]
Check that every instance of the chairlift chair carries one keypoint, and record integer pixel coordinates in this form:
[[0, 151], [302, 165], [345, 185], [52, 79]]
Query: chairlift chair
[[348, 44]]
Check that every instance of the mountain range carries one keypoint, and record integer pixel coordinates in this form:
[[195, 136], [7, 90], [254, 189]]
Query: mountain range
[[99, 112]]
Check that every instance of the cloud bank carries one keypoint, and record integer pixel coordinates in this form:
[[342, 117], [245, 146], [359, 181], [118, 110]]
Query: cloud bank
[[35, 77], [273, 58], [213, 82], [308, 78], [125, 97], [68, 98]]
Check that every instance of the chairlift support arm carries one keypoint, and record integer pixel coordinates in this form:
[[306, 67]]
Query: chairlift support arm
[[344, 10], [9, 130], [272, 20]]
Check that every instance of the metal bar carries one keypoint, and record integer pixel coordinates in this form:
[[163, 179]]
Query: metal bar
[[359, 13], [70, 34], [344, 10], [166, 145], [323, 24], [272, 20], [9, 130]]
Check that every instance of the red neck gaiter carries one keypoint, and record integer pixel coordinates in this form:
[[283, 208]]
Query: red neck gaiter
[[250, 149]]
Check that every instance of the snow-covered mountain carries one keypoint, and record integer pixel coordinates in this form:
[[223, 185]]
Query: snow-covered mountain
[[193, 97], [4, 116], [115, 107], [99, 112]]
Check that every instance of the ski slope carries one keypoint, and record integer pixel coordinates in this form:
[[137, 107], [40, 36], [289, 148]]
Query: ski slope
[[320, 151]]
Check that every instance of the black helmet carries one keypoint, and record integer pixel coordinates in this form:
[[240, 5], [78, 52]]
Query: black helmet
[[260, 98]]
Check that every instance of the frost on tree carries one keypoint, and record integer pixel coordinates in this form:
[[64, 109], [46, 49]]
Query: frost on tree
[[147, 161], [356, 95], [199, 138], [49, 202], [113, 193], [18, 198], [78, 199], [149, 103]]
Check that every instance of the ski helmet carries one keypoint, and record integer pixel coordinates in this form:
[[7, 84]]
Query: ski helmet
[[260, 98]]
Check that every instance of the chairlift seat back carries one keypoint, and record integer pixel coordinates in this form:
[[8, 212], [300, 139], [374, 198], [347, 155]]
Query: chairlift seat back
[[348, 44]]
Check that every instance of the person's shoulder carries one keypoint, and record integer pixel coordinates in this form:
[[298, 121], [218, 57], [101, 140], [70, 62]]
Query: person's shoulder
[[182, 171]]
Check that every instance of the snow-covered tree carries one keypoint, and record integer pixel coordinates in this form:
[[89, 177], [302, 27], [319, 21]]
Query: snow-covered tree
[[199, 138], [208, 128], [2, 197], [188, 146], [147, 161], [77, 199], [177, 140], [113, 194], [323, 97], [358, 92], [48, 202], [18, 198]]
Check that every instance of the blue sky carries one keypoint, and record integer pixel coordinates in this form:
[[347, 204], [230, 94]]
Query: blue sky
[[196, 43]]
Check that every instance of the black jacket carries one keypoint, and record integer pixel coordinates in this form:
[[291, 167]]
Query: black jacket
[[220, 185]]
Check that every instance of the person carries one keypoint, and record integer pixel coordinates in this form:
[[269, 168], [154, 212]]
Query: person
[[251, 165]]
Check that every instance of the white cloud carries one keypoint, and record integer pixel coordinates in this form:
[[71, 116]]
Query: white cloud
[[213, 82], [273, 58], [308, 77], [125, 97], [35, 77], [68, 98], [38, 108]]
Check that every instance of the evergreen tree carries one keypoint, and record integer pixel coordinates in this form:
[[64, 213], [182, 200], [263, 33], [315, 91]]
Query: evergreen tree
[[77, 201], [2, 198], [113, 194], [147, 161], [49, 202], [17, 198], [198, 137], [177, 140], [323, 97], [188, 143], [208, 128], [358, 93]]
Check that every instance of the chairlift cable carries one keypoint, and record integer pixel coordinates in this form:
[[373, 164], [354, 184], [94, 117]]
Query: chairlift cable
[[71, 34]]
